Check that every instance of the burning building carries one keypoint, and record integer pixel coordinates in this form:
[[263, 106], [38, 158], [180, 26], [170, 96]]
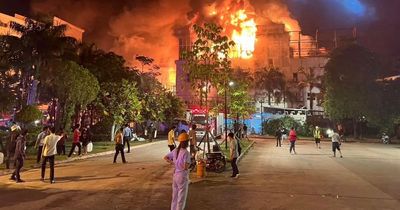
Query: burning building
[[265, 37]]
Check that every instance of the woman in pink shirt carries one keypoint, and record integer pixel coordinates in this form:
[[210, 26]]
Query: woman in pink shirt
[[292, 139]]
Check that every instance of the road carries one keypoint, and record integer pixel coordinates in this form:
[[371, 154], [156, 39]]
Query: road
[[366, 178]]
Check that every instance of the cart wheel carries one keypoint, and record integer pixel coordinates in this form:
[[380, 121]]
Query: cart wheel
[[220, 166]]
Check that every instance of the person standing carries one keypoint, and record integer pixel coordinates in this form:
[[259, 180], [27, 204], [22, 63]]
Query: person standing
[[39, 142], [171, 138], [193, 140], [119, 145], [180, 158], [317, 137], [76, 141], [234, 154], [127, 137], [278, 135], [19, 156], [292, 139], [245, 132], [49, 152], [61, 143], [336, 144], [85, 139], [11, 143]]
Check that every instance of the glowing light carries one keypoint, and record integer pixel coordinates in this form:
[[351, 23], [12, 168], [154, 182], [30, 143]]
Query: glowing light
[[244, 35]]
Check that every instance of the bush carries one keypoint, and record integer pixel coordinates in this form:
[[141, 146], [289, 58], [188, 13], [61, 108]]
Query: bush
[[272, 125], [28, 114], [101, 130]]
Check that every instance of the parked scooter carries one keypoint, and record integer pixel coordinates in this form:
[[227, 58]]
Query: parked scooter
[[385, 138]]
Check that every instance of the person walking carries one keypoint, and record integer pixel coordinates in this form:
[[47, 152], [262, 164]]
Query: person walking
[[61, 143], [171, 139], [49, 152], [39, 143], [76, 141], [193, 140], [278, 135], [317, 137], [127, 137], [233, 154], [180, 158], [119, 145], [292, 139], [336, 143], [19, 156]]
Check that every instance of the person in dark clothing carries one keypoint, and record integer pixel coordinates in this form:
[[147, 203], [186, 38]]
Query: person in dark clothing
[[19, 156], [10, 147], [245, 131], [61, 143], [278, 135], [85, 139], [119, 145], [127, 133]]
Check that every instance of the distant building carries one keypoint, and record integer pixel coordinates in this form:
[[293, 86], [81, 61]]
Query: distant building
[[5, 26]]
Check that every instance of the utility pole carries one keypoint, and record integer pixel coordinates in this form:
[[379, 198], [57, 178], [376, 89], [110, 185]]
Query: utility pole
[[226, 116]]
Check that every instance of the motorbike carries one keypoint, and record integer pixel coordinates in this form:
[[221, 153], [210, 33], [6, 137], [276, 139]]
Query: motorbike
[[385, 138], [215, 161]]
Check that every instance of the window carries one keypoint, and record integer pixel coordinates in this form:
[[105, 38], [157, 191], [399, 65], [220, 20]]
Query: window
[[295, 77]]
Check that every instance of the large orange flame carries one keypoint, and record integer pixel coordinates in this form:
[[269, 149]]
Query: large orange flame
[[244, 35]]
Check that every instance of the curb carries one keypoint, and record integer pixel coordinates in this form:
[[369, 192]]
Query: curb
[[3, 173], [246, 150]]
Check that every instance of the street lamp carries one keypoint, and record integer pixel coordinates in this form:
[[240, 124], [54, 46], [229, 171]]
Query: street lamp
[[261, 115], [231, 83]]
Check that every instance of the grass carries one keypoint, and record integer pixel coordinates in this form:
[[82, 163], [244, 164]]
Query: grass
[[98, 147], [243, 143]]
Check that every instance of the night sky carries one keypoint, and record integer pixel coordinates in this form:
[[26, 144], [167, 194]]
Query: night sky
[[377, 21]]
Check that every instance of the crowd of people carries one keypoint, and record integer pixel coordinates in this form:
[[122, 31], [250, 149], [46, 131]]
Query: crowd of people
[[48, 144]]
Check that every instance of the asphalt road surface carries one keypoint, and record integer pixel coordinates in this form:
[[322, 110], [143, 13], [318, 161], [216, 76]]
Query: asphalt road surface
[[368, 177]]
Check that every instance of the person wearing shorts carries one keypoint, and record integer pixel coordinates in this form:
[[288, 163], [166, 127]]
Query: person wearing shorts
[[336, 144], [317, 137]]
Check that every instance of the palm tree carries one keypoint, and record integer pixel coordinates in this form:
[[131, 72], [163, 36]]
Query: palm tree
[[310, 80], [270, 82]]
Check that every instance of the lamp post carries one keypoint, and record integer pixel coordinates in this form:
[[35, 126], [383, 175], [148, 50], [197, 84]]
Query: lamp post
[[225, 112], [261, 115]]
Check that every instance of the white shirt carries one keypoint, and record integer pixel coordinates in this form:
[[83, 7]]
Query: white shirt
[[50, 145], [335, 137]]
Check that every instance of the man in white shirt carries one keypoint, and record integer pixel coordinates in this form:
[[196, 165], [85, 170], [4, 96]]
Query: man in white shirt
[[39, 142], [49, 152], [336, 143]]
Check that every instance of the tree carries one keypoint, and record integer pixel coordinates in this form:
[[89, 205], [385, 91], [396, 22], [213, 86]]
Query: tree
[[270, 82], [310, 80], [28, 114], [207, 62], [175, 110], [73, 86], [241, 104], [351, 90], [121, 102], [33, 54]]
